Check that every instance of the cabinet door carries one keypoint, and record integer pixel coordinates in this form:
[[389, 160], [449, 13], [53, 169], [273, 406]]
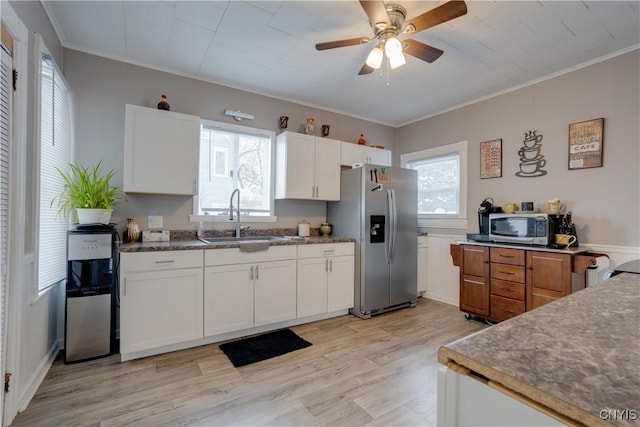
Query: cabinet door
[[327, 169], [474, 280], [160, 308], [423, 259], [295, 166], [378, 156], [340, 283], [274, 292], [312, 286], [548, 277], [228, 299], [351, 153], [160, 151]]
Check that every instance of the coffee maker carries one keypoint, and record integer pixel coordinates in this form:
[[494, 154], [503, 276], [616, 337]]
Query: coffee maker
[[486, 208]]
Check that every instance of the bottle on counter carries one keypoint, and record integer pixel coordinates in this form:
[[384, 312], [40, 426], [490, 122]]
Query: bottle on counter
[[163, 104]]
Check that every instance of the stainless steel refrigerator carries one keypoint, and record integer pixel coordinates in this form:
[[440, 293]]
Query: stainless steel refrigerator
[[378, 207]]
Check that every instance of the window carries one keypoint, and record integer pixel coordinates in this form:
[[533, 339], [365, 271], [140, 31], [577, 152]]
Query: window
[[55, 143], [442, 185], [231, 157]]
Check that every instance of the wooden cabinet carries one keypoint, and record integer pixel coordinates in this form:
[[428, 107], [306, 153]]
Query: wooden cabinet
[[325, 276], [160, 299], [474, 280], [507, 291], [160, 151], [307, 167], [355, 153], [248, 289], [548, 277], [423, 263], [498, 283]]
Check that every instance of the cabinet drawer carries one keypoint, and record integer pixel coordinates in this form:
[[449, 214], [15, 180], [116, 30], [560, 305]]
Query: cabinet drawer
[[234, 256], [325, 249], [511, 273], [508, 256], [508, 289], [505, 308], [160, 260]]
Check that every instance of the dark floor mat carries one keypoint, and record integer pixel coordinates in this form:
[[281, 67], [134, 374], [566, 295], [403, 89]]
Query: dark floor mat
[[262, 347]]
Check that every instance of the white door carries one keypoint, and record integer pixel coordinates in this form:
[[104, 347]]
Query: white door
[[160, 308], [340, 285], [312, 286], [299, 182], [274, 292], [228, 298], [327, 169]]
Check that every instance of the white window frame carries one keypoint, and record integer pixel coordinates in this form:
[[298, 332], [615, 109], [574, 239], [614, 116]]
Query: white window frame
[[62, 224], [195, 217], [444, 220]]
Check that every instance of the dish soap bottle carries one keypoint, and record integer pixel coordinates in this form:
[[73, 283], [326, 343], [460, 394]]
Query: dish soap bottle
[[200, 232], [163, 104]]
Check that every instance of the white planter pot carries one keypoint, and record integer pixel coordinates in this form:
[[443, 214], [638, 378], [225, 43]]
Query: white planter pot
[[93, 216]]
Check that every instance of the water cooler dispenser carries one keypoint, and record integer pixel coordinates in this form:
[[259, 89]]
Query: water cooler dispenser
[[90, 315]]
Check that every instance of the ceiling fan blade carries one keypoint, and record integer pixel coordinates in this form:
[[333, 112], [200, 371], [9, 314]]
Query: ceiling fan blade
[[440, 14], [365, 70], [421, 50], [376, 11], [342, 43]]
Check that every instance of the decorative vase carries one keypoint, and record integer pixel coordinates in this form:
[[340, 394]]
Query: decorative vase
[[93, 216], [361, 140], [310, 127], [325, 229], [163, 104]]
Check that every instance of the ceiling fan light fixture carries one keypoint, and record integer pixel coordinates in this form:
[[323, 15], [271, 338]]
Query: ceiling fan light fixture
[[392, 47], [374, 60], [397, 60]]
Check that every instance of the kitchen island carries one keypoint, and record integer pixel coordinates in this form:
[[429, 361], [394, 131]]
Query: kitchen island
[[575, 360]]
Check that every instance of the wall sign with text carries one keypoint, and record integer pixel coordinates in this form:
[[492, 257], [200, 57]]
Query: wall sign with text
[[585, 144]]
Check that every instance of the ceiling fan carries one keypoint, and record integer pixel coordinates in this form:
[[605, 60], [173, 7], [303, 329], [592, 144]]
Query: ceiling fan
[[388, 23]]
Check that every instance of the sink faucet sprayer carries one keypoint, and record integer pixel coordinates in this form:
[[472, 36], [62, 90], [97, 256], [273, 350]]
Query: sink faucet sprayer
[[238, 228]]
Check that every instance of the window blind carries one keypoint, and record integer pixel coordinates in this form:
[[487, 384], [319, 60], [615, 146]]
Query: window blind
[[55, 153]]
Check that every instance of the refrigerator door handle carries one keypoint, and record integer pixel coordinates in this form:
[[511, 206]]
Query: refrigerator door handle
[[394, 225], [389, 240]]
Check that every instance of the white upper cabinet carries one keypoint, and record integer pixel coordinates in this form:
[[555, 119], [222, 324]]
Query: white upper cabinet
[[355, 153], [307, 167], [160, 152]]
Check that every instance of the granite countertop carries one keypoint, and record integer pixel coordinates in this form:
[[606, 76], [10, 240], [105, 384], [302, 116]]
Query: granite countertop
[[186, 244], [578, 356]]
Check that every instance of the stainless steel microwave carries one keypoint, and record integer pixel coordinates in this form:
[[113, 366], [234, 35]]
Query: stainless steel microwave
[[529, 229]]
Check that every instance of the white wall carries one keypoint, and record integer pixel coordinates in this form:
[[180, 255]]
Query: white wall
[[605, 201]]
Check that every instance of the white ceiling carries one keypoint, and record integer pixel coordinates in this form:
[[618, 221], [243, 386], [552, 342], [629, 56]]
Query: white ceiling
[[267, 47]]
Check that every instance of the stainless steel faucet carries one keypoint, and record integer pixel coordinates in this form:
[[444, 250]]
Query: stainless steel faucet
[[238, 227]]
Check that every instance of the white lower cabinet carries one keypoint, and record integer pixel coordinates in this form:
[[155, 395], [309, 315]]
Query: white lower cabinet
[[160, 299], [259, 289], [423, 262], [325, 278]]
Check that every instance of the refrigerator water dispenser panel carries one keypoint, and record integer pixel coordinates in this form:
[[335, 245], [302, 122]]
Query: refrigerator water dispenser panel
[[376, 234]]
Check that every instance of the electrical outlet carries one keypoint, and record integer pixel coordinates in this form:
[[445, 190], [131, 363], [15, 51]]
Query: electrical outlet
[[155, 222]]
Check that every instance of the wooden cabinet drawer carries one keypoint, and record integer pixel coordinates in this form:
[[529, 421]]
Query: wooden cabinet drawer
[[505, 308], [511, 273], [508, 289], [508, 256]]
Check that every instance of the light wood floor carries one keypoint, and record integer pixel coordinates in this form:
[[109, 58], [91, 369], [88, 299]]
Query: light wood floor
[[380, 371]]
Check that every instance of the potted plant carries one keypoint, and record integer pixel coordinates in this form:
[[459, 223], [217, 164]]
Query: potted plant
[[89, 192]]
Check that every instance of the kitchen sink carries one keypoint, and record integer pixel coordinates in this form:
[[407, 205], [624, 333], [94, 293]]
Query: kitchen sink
[[230, 239]]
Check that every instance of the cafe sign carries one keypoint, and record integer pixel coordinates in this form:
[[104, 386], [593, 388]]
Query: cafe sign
[[585, 144]]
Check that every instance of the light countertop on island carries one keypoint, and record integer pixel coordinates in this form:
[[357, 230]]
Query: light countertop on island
[[578, 357]]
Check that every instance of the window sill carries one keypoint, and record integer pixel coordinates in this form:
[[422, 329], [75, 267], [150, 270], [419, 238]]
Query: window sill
[[457, 223], [225, 219]]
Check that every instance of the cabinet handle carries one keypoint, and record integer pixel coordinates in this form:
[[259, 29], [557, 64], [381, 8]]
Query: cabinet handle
[[508, 273], [506, 311], [506, 256], [251, 274], [257, 272], [326, 265], [331, 265], [506, 289], [328, 251], [313, 192], [168, 261], [317, 190], [124, 288]]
